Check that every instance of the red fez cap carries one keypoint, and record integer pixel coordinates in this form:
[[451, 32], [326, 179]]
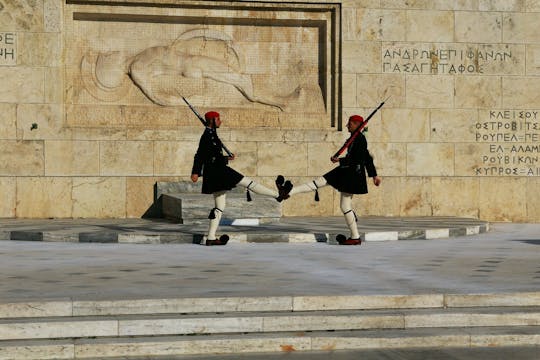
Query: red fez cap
[[211, 115], [356, 118]]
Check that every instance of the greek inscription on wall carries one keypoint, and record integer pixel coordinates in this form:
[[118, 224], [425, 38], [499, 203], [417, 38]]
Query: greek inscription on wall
[[8, 48], [431, 59], [513, 139]]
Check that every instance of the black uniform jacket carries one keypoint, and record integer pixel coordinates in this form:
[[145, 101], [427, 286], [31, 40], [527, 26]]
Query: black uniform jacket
[[350, 175], [211, 164]]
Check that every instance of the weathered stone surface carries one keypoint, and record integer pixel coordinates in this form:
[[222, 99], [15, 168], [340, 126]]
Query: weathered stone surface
[[99, 197], [415, 196], [514, 95], [461, 128], [430, 26], [373, 89], [478, 92], [385, 25], [430, 92], [281, 158], [464, 198], [8, 120], [40, 49], [480, 27], [21, 84], [24, 158], [114, 155], [8, 198], [43, 197], [172, 158], [361, 57], [503, 199], [41, 121], [71, 158], [430, 159]]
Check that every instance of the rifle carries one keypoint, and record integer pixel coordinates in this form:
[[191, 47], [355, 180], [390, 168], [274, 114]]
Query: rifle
[[229, 153], [358, 131]]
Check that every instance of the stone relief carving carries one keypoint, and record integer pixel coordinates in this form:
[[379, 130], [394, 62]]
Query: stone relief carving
[[165, 73]]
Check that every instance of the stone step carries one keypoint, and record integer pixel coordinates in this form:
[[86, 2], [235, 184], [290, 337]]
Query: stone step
[[189, 208], [257, 322], [279, 342], [79, 308]]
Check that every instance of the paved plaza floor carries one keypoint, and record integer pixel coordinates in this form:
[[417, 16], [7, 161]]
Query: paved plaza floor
[[503, 260]]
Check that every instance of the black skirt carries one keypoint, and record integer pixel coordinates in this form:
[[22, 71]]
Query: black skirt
[[348, 179], [219, 178]]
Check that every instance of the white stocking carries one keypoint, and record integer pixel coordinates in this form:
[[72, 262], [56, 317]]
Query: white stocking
[[219, 200], [309, 186], [257, 188], [350, 216]]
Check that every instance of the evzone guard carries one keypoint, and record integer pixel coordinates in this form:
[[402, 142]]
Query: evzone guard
[[349, 177], [218, 178]]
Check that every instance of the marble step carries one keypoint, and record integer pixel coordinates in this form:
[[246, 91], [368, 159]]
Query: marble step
[[189, 208], [261, 322], [278, 342], [298, 303]]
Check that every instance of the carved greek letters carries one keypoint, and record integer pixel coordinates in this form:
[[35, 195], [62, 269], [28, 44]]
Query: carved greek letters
[[8, 48], [461, 60], [513, 137]]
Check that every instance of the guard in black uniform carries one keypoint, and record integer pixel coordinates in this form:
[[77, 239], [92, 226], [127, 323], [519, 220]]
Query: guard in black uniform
[[348, 178], [218, 177]]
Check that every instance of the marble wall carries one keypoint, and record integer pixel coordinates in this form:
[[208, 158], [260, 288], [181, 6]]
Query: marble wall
[[91, 114]]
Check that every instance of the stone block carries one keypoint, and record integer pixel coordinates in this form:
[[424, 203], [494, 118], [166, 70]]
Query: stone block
[[142, 199], [430, 92], [54, 85], [533, 199], [373, 89], [8, 197], [532, 6], [43, 197], [478, 27], [520, 28], [319, 154], [8, 121], [21, 158], [533, 60], [521, 93], [380, 24], [349, 90], [503, 199], [24, 15], [401, 125], [361, 57], [71, 158], [48, 120], [384, 200], [52, 16], [430, 26], [94, 116], [501, 5], [22, 84], [415, 196], [36, 309], [40, 49], [194, 208], [474, 92], [465, 199], [348, 23], [368, 302], [126, 158], [246, 157], [173, 158], [99, 197], [430, 159], [453, 125], [390, 158], [468, 158], [272, 155]]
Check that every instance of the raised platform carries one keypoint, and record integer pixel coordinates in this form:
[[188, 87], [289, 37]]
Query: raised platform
[[287, 230]]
